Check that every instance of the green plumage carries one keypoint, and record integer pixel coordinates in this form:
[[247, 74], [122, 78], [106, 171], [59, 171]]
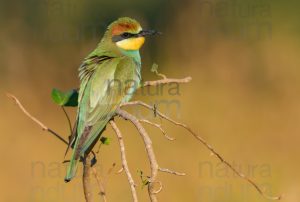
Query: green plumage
[[109, 76]]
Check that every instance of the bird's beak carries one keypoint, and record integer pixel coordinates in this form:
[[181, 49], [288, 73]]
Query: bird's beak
[[148, 32]]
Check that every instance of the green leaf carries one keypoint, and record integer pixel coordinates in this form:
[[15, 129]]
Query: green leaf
[[72, 98], [68, 98], [57, 96], [105, 140]]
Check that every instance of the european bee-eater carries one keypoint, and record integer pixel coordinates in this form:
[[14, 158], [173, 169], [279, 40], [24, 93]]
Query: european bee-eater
[[109, 76]]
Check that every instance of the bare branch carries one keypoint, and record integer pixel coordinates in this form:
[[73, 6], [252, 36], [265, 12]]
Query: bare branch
[[87, 162], [149, 149], [208, 146], [159, 127], [43, 126], [166, 170], [166, 80], [86, 178], [124, 160], [100, 184], [148, 145]]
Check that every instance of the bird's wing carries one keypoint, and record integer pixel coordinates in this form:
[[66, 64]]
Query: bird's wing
[[86, 70], [96, 104], [102, 94]]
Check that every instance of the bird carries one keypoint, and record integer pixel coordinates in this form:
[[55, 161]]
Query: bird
[[109, 76]]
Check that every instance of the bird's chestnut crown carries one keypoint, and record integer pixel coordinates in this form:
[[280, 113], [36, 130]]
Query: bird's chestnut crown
[[128, 34]]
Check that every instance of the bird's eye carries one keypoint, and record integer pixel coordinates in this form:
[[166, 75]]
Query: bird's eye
[[126, 35]]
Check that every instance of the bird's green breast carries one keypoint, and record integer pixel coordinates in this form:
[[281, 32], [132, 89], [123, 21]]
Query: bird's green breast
[[128, 73]]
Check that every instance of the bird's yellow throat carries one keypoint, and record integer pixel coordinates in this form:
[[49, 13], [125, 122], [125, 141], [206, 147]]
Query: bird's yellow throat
[[131, 43]]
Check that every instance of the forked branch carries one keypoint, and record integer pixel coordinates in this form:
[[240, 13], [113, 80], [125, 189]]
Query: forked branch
[[159, 127], [148, 145], [150, 153], [124, 160], [208, 146]]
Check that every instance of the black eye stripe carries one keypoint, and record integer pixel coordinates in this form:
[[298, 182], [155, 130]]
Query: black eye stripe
[[125, 35]]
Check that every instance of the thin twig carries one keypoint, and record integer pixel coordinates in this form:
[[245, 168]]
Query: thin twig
[[159, 189], [100, 184], [161, 75], [124, 160], [149, 149], [159, 127], [166, 80], [120, 170], [68, 118], [208, 146], [43, 126], [87, 162], [166, 170]]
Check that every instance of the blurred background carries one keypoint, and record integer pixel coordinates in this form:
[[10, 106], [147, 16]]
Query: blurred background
[[244, 99]]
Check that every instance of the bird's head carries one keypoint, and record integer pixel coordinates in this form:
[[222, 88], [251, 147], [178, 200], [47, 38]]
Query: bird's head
[[127, 34]]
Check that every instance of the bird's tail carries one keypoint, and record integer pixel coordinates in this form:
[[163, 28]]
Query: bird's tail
[[83, 145], [71, 168]]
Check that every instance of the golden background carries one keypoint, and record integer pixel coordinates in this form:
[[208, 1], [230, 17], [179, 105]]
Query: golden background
[[244, 97]]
